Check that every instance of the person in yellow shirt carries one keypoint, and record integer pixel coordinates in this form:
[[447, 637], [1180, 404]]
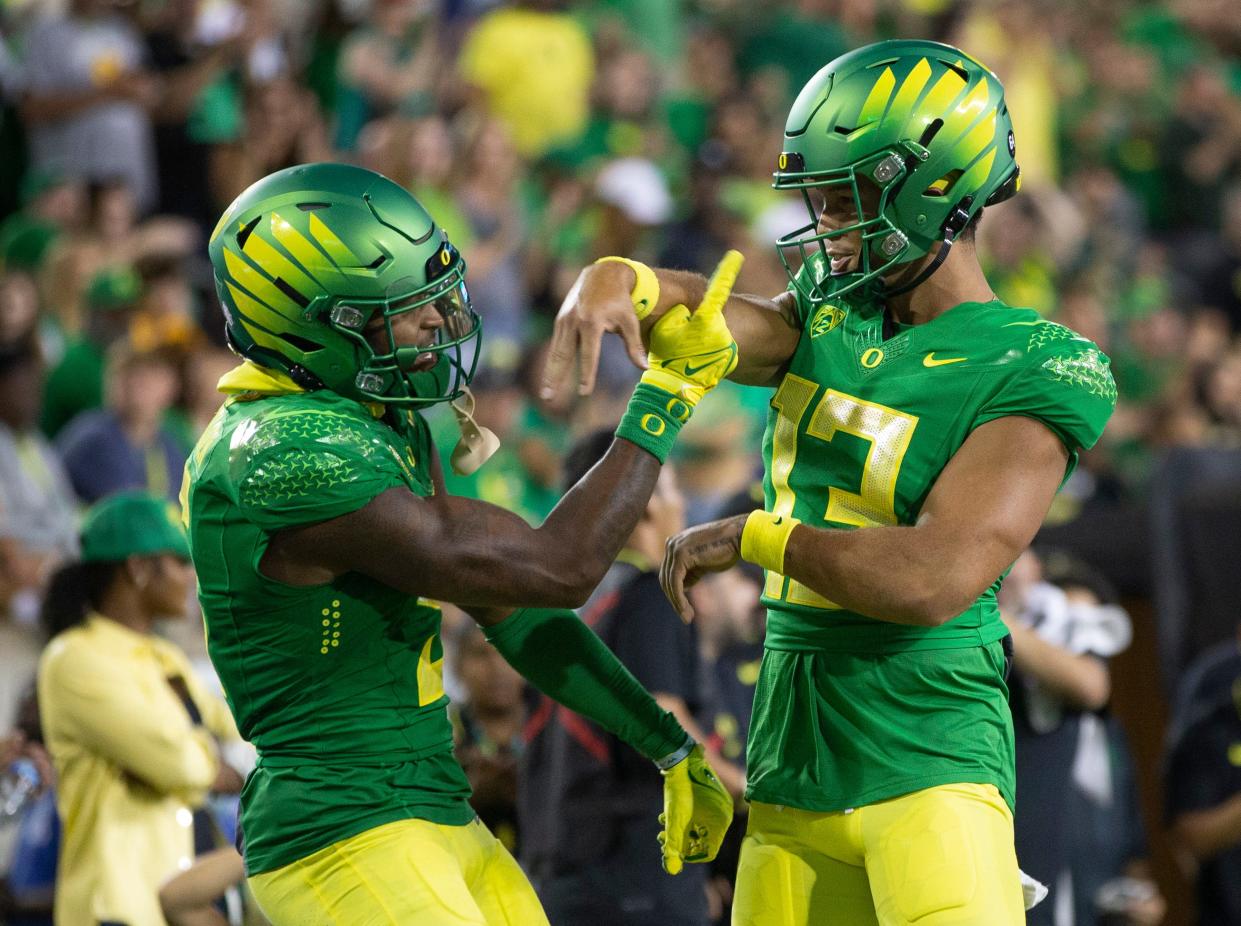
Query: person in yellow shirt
[[534, 65], [132, 734]]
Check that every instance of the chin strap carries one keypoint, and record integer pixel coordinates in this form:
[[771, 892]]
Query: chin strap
[[944, 247], [477, 443], [953, 226]]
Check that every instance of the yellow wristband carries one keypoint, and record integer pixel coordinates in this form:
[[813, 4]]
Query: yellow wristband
[[764, 538], [645, 292]]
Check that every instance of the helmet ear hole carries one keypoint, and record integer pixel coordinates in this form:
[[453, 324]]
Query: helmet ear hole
[[941, 186]]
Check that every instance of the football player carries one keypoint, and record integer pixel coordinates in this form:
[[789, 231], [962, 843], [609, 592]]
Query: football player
[[918, 431], [323, 538]]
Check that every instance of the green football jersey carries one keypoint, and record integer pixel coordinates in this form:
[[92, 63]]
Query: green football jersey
[[861, 426], [850, 710], [337, 685]]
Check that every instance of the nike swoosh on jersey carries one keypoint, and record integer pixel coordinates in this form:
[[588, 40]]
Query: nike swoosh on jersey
[[930, 361]]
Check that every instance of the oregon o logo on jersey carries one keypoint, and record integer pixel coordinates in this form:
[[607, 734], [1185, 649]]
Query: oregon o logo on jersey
[[825, 319], [872, 358]]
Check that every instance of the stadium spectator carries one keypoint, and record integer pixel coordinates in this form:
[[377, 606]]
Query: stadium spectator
[[488, 197], [36, 502], [75, 383], [165, 314], [52, 204], [1072, 765], [1058, 654], [200, 399], [487, 729], [282, 126], [1203, 784], [585, 801], [89, 96], [534, 66], [126, 444], [30, 844], [196, 49], [131, 731], [390, 63], [19, 307]]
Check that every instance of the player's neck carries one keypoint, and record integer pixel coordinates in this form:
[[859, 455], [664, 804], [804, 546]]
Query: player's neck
[[959, 279]]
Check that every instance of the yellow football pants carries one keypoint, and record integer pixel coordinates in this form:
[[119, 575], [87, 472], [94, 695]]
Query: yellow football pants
[[407, 872], [939, 857]]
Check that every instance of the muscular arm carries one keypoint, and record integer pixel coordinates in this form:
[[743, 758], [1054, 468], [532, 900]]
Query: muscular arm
[[473, 553], [983, 511], [766, 330]]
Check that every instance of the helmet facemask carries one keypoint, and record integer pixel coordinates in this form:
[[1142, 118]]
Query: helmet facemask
[[883, 245], [923, 122], [393, 377]]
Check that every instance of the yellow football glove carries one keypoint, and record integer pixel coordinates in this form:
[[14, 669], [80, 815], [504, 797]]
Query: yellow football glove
[[697, 812], [691, 353]]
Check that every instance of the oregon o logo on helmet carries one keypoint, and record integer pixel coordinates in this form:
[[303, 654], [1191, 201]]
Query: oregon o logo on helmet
[[653, 425], [784, 161], [446, 258]]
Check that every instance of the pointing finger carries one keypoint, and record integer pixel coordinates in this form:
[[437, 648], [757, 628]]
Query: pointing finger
[[720, 286]]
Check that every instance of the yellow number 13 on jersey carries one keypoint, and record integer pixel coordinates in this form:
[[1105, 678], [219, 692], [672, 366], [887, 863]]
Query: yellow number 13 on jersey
[[887, 432]]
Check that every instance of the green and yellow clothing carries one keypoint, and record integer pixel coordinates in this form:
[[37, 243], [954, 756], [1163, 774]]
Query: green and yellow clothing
[[851, 710], [943, 855], [415, 871], [536, 69], [74, 385], [130, 761], [337, 685]]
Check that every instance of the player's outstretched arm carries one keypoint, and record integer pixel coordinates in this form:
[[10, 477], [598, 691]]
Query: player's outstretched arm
[[567, 661], [475, 554], [984, 509], [629, 298]]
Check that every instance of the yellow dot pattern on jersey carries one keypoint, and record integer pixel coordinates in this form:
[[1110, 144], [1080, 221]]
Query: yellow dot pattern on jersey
[[331, 627]]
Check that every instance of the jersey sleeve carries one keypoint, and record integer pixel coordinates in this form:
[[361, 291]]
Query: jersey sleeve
[[309, 467], [1068, 387]]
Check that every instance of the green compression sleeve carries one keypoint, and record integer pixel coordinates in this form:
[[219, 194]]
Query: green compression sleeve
[[567, 661]]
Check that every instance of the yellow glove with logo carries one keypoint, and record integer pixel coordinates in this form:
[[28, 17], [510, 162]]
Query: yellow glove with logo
[[691, 353], [697, 812]]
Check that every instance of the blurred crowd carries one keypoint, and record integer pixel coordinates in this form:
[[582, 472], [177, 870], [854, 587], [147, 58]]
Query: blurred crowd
[[545, 134]]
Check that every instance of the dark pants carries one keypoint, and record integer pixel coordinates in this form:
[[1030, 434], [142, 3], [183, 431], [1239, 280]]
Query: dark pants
[[629, 888]]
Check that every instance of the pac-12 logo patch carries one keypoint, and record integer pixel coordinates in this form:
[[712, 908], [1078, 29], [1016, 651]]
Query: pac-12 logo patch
[[825, 319]]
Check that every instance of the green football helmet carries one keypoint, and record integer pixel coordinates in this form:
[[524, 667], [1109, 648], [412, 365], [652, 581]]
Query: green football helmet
[[926, 125], [307, 257]]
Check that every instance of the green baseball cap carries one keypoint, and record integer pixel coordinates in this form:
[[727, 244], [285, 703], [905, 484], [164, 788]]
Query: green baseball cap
[[132, 524], [113, 289]]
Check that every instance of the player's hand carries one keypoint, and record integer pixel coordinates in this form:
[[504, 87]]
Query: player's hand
[[711, 547], [598, 302], [697, 812], [691, 353]]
